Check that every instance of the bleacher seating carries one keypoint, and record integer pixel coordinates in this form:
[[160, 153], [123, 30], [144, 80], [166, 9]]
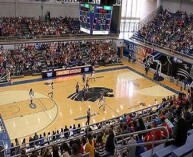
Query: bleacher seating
[[168, 30], [30, 27], [165, 152], [31, 59], [149, 152], [185, 149]]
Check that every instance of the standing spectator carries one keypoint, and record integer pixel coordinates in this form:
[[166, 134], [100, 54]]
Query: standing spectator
[[100, 146], [76, 151], [109, 147], [141, 126], [90, 145], [180, 129], [132, 149], [188, 117]]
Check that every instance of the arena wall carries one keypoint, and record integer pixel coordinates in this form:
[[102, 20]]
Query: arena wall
[[175, 5], [13, 8]]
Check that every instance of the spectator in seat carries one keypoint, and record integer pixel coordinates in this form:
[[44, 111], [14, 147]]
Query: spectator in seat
[[164, 133], [47, 153], [31, 142], [83, 144], [78, 129], [66, 132], [36, 139], [23, 153], [12, 150], [180, 129], [23, 144], [55, 151], [90, 145], [147, 138], [76, 150], [41, 140], [157, 135], [139, 149], [65, 150], [17, 146]]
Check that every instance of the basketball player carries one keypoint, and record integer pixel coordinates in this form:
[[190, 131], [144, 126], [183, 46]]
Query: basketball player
[[52, 90], [93, 77], [84, 78], [102, 102], [87, 85], [83, 93], [31, 95], [9, 77], [88, 117], [77, 88], [147, 66]]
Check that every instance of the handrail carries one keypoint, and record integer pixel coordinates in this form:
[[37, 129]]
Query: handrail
[[164, 48], [3, 146], [140, 144]]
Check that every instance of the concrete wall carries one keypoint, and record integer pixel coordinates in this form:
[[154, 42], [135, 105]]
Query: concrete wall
[[33, 9], [175, 5]]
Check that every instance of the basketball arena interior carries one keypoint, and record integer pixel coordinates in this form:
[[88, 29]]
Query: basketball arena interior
[[96, 78]]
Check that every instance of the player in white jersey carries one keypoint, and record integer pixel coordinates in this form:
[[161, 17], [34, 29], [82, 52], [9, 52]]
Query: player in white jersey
[[52, 90], [102, 102], [31, 95], [9, 77], [93, 77]]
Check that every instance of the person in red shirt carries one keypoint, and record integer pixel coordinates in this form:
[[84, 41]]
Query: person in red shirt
[[156, 133], [147, 138], [164, 133]]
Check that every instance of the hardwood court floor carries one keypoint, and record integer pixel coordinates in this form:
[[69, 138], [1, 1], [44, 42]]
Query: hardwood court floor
[[129, 89]]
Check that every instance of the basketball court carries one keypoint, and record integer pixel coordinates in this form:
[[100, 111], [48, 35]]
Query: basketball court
[[129, 90]]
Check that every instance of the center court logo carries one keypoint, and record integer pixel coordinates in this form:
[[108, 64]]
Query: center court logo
[[92, 94]]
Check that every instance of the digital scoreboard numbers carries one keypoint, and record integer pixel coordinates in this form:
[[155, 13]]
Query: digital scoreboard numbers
[[85, 24], [95, 19], [102, 20]]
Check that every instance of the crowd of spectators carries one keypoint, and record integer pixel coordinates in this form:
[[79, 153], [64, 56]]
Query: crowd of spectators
[[53, 26], [171, 30], [33, 27], [19, 61], [31, 58], [11, 27], [79, 53], [174, 113]]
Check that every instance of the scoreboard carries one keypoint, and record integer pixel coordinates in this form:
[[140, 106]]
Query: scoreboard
[[95, 19]]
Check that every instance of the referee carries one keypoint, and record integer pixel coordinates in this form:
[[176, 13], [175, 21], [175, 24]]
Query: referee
[[88, 117]]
